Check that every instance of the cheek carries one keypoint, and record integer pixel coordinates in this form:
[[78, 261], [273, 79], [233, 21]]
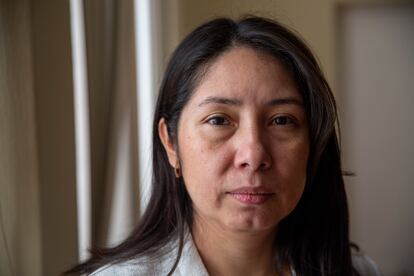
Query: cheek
[[203, 167], [291, 162], [291, 158], [204, 152]]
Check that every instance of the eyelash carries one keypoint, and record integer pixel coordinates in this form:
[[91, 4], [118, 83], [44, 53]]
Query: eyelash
[[217, 117], [287, 120], [223, 121]]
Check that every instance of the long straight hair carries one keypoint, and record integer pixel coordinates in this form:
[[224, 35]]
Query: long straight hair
[[313, 238]]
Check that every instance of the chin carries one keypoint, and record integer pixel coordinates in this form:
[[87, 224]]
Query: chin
[[251, 224]]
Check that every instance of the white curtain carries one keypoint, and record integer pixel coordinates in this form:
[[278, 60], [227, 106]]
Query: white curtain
[[112, 89], [38, 233]]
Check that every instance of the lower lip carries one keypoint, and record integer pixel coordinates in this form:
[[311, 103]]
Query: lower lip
[[251, 198]]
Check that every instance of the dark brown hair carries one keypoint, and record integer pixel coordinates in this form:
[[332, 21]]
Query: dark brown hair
[[313, 239]]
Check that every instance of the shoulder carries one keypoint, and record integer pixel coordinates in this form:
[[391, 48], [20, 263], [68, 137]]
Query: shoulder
[[365, 265], [139, 266]]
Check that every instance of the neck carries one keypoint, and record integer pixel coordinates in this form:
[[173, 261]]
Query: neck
[[226, 252]]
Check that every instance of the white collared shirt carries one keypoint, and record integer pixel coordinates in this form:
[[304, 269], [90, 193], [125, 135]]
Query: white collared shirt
[[190, 264]]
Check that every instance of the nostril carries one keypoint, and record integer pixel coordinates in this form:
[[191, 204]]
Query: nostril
[[263, 166]]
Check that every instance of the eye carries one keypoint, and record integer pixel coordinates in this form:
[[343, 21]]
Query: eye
[[282, 120], [218, 121]]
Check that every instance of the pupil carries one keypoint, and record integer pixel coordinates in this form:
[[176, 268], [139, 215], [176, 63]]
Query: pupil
[[218, 121], [281, 120]]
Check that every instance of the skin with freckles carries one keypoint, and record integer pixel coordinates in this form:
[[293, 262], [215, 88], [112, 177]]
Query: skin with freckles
[[243, 151]]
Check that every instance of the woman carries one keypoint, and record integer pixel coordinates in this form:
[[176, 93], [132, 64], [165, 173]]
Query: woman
[[247, 177]]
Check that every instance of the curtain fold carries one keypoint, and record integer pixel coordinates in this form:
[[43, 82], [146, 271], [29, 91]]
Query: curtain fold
[[20, 250], [112, 85]]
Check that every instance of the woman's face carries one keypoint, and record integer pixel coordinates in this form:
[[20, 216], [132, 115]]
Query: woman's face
[[243, 143]]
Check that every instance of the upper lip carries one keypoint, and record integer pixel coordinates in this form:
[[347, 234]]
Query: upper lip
[[251, 190]]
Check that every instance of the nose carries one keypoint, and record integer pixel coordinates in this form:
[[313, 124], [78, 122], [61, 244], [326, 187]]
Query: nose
[[251, 151]]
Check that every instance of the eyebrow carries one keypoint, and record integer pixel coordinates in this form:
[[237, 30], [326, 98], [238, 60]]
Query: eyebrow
[[219, 100], [286, 101], [227, 101]]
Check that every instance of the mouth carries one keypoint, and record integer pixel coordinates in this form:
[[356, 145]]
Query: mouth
[[251, 196]]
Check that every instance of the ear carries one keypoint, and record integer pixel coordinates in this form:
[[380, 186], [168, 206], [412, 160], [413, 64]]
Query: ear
[[167, 143]]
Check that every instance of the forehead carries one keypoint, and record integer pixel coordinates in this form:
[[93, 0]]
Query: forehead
[[246, 75]]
